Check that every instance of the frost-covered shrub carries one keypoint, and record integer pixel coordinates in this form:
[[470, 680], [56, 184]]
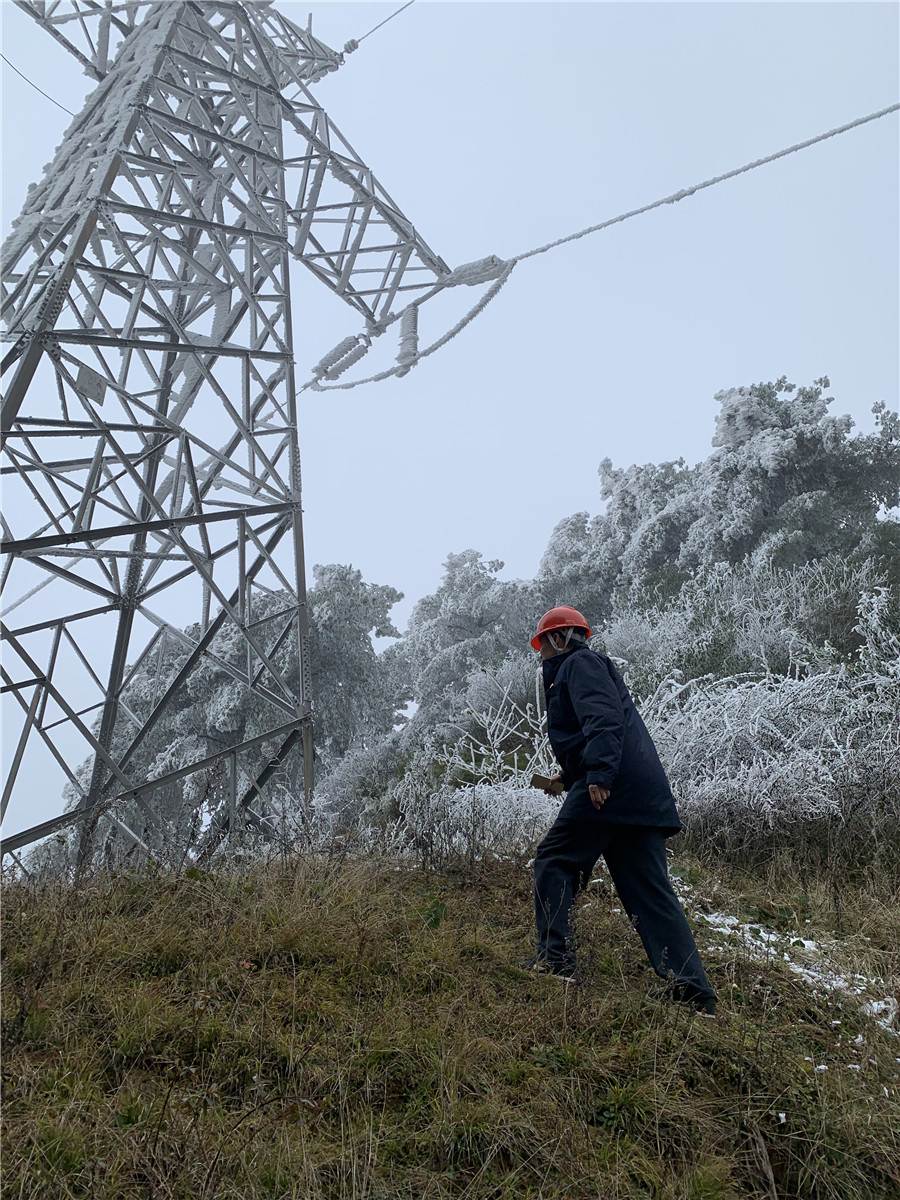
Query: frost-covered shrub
[[464, 791], [484, 803], [500, 733], [810, 764], [353, 793], [474, 822], [750, 618], [808, 761], [425, 817]]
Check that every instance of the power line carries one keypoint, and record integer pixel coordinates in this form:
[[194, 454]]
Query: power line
[[35, 86], [698, 187], [386, 19], [404, 367]]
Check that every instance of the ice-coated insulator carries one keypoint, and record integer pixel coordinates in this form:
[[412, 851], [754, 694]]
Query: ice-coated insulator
[[358, 351], [481, 271], [409, 335], [335, 355]]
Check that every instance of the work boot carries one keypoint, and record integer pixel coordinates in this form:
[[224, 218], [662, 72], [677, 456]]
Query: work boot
[[707, 1007], [561, 970], [679, 993]]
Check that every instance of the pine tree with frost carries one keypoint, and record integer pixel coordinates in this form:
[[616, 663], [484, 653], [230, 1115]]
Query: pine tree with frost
[[787, 483], [473, 621]]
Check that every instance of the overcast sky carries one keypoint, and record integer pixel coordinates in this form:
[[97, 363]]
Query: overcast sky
[[499, 126]]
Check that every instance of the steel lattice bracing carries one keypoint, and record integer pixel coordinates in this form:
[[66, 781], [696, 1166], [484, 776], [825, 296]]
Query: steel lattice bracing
[[150, 449]]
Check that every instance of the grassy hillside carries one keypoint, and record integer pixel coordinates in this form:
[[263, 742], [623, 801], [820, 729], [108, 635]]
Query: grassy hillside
[[359, 1030]]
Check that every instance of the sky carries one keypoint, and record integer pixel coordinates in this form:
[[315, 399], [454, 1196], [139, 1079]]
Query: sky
[[500, 126]]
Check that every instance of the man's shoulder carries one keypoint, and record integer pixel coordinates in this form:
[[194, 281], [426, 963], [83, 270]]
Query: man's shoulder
[[585, 661]]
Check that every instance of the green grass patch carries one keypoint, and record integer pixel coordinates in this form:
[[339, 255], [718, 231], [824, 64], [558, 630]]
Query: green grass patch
[[358, 1031]]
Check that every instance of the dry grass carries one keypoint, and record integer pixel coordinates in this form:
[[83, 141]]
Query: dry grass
[[349, 1030]]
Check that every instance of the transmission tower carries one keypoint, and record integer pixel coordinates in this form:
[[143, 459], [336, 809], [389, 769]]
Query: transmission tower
[[152, 518]]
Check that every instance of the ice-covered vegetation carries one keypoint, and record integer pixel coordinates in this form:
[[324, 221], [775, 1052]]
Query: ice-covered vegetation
[[752, 601]]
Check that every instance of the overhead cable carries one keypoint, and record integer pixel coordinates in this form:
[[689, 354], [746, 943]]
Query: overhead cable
[[386, 19], [353, 44], [504, 268], [698, 187], [35, 86]]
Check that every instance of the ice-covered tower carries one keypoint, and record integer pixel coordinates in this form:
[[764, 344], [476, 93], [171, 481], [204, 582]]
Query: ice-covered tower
[[152, 520]]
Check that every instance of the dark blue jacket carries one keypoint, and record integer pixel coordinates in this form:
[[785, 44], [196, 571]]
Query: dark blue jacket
[[598, 737]]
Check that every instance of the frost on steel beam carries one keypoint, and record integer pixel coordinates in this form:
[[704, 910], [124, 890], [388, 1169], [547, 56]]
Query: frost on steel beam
[[93, 31], [346, 228], [152, 576]]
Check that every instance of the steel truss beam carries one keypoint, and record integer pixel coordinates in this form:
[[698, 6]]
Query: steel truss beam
[[150, 444]]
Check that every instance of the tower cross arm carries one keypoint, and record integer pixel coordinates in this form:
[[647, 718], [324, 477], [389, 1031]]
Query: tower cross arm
[[91, 30]]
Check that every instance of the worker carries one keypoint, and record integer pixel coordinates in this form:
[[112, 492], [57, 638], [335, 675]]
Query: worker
[[619, 805]]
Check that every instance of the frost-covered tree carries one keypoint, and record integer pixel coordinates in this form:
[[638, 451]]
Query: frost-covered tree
[[786, 484], [357, 693], [472, 622]]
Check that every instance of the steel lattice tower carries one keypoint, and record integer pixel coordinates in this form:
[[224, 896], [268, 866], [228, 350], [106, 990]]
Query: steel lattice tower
[[150, 448]]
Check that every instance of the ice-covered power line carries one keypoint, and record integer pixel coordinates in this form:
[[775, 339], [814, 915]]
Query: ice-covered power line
[[35, 86], [354, 43], [408, 358], [401, 9], [698, 187]]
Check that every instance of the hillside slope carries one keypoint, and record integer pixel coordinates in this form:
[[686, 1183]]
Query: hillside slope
[[359, 1029]]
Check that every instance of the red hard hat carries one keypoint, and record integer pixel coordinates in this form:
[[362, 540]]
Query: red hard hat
[[561, 617]]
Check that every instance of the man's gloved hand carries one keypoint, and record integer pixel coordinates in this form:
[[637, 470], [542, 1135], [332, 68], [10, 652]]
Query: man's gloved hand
[[599, 795]]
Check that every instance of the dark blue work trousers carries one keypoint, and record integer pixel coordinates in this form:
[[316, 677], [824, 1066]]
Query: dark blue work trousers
[[636, 858]]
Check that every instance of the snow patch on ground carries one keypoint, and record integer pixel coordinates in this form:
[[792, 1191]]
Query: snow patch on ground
[[813, 961]]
